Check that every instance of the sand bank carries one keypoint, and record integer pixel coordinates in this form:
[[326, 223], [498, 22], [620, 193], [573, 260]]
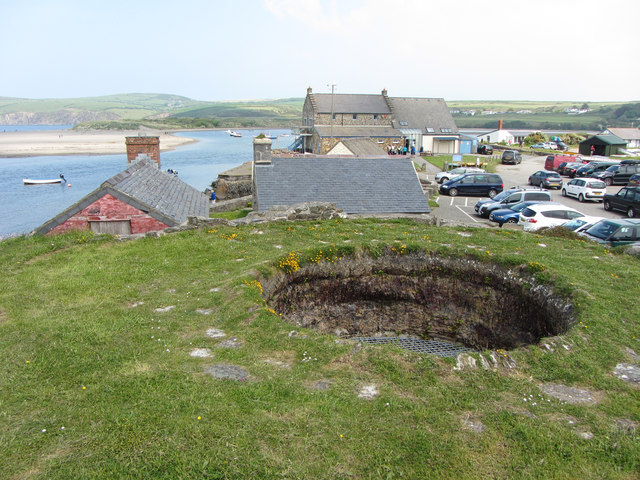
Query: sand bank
[[71, 142]]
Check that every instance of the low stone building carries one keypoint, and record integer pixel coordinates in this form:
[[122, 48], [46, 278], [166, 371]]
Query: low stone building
[[140, 199]]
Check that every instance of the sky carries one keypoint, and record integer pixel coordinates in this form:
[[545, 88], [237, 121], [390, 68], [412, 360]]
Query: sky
[[216, 50]]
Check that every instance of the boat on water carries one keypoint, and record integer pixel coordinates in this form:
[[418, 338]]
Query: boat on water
[[31, 181], [233, 133]]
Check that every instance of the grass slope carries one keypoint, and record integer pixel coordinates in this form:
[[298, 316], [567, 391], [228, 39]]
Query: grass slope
[[96, 383]]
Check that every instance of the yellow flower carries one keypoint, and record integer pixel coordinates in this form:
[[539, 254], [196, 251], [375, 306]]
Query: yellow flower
[[84, 388], [199, 418]]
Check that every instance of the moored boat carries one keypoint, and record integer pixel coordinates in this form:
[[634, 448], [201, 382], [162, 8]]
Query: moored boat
[[31, 181], [233, 133]]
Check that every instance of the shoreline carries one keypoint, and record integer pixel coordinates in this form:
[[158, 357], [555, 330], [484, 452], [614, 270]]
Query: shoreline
[[25, 144]]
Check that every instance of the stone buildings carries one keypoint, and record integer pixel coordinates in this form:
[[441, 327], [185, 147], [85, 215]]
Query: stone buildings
[[389, 122]]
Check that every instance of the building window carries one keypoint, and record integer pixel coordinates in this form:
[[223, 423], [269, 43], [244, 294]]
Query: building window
[[429, 129], [446, 130], [355, 116], [335, 116], [404, 124], [375, 116]]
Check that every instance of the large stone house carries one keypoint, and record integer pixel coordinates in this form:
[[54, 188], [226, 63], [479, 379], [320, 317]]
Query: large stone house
[[423, 123]]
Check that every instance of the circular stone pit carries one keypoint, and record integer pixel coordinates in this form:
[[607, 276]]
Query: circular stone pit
[[458, 299]]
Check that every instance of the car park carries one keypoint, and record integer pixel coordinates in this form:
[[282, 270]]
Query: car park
[[486, 184], [585, 189], [513, 196], [619, 174], [626, 200], [442, 177], [510, 214], [485, 149], [614, 232], [535, 217], [592, 168], [546, 179], [511, 157]]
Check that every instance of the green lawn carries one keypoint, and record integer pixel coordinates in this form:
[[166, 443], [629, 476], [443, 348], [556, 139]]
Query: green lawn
[[98, 382]]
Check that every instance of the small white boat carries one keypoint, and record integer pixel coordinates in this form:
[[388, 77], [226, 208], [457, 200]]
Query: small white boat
[[30, 181], [233, 133]]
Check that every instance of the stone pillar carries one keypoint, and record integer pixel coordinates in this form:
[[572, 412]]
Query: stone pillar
[[149, 146], [262, 156]]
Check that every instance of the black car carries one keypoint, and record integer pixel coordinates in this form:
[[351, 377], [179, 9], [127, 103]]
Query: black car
[[486, 184], [626, 200], [592, 168], [511, 156], [619, 174], [546, 179], [561, 146], [484, 149]]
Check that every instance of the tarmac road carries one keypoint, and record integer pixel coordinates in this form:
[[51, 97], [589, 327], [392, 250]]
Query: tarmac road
[[460, 209]]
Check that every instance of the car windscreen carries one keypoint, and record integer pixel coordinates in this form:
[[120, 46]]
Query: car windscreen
[[602, 230], [597, 184], [552, 175], [527, 212], [502, 195]]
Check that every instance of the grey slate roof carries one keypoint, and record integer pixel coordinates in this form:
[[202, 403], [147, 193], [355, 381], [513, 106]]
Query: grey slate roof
[[363, 147], [421, 113], [357, 131], [625, 133], [354, 184], [351, 103], [144, 186]]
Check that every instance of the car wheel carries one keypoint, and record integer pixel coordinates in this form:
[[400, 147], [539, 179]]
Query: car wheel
[[492, 193], [607, 205], [530, 182], [631, 212], [453, 192], [511, 220], [581, 198], [608, 182], [444, 179], [563, 193]]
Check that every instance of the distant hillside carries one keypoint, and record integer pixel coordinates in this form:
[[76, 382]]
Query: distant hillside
[[172, 112]]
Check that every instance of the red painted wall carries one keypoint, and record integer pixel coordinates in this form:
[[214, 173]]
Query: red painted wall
[[110, 208]]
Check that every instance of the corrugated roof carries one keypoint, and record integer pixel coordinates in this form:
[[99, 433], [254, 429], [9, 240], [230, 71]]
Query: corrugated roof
[[423, 113], [354, 184], [351, 103]]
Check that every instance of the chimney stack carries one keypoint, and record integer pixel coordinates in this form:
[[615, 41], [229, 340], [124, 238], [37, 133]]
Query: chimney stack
[[143, 146], [261, 150], [500, 124]]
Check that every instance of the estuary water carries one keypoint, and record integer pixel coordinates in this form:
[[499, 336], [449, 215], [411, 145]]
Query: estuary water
[[24, 208]]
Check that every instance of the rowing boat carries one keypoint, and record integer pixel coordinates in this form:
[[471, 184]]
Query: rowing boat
[[30, 181]]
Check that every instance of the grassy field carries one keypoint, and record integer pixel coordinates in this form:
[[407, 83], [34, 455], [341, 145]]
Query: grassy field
[[98, 382]]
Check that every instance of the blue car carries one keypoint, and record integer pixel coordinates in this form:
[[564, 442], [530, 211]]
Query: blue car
[[511, 214]]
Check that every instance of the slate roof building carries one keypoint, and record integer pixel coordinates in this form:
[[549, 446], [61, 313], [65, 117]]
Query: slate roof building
[[140, 199], [424, 123], [357, 185]]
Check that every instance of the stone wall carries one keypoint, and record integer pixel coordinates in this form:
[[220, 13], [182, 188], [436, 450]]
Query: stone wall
[[347, 120]]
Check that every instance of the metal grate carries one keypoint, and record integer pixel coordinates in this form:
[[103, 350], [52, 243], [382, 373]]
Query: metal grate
[[434, 347]]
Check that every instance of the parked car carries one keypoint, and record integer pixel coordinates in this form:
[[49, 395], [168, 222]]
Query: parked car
[[553, 162], [614, 232], [626, 200], [442, 177], [546, 179], [511, 214], [585, 189], [592, 168], [571, 169], [634, 179], [511, 156], [514, 195], [621, 173], [486, 184], [581, 224], [535, 217], [542, 146], [560, 145], [485, 149]]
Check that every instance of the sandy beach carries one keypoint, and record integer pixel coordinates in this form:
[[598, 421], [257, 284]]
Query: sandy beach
[[70, 142]]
